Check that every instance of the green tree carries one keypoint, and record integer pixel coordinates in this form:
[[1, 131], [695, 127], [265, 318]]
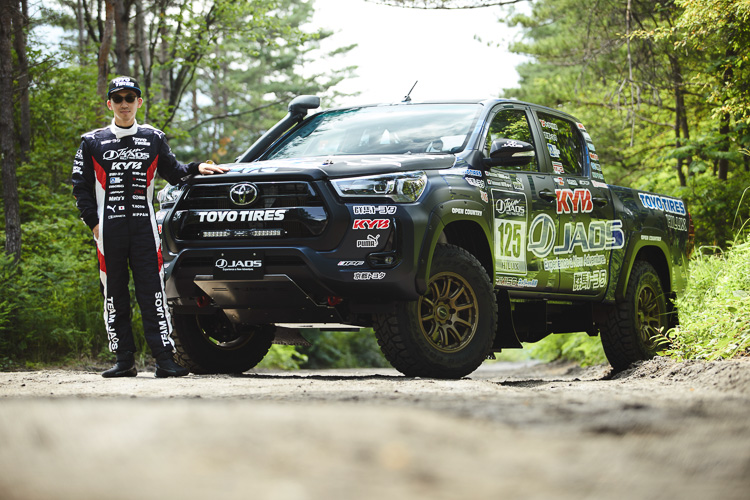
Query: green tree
[[245, 85], [50, 304]]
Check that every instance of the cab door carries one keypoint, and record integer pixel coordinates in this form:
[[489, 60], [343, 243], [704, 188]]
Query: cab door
[[521, 212], [586, 231]]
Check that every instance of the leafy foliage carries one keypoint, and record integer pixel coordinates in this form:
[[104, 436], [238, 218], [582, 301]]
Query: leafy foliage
[[715, 310], [577, 347], [283, 357], [342, 350], [239, 56]]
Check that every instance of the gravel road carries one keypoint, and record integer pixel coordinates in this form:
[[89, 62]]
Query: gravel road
[[510, 430]]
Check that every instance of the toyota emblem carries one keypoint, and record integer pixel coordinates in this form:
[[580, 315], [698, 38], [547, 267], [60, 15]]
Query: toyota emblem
[[243, 193]]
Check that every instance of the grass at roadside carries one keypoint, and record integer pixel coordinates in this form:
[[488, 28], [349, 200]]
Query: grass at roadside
[[715, 309]]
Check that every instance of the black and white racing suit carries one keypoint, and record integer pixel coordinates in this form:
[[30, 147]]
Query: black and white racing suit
[[113, 183]]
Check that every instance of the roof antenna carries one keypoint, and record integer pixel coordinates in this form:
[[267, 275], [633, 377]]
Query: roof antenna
[[407, 97]]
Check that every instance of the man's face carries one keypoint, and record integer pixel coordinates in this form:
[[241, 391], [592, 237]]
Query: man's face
[[124, 111]]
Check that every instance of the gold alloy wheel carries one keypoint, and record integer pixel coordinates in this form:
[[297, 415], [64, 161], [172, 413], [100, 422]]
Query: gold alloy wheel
[[448, 312], [649, 317]]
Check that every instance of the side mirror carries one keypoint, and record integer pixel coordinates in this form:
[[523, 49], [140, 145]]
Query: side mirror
[[300, 104], [510, 153]]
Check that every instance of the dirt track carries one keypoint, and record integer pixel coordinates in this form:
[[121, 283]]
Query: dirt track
[[511, 430]]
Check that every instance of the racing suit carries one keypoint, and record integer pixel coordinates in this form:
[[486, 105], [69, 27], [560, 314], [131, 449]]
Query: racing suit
[[113, 183]]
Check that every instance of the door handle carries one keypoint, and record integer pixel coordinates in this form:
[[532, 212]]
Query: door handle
[[600, 201], [547, 195]]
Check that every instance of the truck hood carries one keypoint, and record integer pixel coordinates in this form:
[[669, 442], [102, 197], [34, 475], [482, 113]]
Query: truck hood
[[343, 166]]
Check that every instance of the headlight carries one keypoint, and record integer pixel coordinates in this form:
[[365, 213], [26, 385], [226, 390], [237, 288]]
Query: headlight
[[404, 187], [168, 196]]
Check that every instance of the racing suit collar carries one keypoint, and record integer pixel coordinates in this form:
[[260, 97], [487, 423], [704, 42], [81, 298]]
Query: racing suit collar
[[123, 132]]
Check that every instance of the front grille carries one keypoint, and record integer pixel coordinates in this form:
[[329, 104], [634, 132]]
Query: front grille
[[270, 195], [282, 210]]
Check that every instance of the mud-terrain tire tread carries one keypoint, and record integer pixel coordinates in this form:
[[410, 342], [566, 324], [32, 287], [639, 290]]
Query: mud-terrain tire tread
[[398, 343], [194, 353], [619, 335]]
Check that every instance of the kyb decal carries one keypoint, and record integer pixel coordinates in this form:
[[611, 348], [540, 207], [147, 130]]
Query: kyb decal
[[126, 165], [574, 201], [371, 224]]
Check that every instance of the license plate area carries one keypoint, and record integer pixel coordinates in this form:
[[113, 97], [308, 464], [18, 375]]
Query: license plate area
[[238, 264]]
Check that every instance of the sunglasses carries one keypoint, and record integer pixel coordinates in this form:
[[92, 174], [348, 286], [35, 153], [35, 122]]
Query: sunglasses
[[117, 99]]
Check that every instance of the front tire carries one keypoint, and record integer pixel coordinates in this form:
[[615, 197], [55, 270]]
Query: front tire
[[636, 327], [449, 331], [209, 343]]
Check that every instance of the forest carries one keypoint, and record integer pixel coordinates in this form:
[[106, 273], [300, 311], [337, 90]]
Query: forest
[[667, 83]]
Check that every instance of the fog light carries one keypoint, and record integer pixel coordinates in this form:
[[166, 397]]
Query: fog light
[[382, 259]]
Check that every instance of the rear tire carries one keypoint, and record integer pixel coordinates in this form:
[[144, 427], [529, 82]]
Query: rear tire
[[636, 327], [209, 343], [449, 331]]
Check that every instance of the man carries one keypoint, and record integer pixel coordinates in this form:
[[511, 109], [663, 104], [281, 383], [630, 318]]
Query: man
[[113, 183]]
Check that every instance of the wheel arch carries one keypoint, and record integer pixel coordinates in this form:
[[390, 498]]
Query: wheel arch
[[445, 227], [657, 257], [470, 236]]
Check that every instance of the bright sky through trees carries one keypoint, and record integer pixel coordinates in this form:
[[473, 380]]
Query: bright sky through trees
[[397, 47]]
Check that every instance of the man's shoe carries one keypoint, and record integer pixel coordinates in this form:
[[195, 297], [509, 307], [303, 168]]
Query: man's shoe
[[125, 366], [166, 367]]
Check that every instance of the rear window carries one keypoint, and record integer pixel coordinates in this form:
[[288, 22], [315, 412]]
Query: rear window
[[564, 144]]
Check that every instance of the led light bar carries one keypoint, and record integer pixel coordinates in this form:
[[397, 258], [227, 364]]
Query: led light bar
[[216, 234], [267, 232]]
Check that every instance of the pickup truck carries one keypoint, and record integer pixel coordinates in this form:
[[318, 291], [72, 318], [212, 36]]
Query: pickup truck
[[453, 229]]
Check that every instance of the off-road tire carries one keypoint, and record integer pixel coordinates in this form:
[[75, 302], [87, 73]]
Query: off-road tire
[[209, 344], [449, 331], [636, 327]]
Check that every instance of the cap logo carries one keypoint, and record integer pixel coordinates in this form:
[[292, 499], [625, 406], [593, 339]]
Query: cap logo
[[121, 81]]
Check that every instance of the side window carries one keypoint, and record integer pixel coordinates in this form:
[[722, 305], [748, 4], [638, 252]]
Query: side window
[[564, 144], [511, 124]]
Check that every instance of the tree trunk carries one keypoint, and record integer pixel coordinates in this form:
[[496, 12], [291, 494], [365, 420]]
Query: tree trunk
[[81, 24], [103, 61], [20, 22], [680, 127], [142, 54], [8, 11], [725, 118], [122, 37], [723, 167]]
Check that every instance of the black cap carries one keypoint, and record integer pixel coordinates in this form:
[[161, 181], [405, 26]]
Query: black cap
[[123, 83]]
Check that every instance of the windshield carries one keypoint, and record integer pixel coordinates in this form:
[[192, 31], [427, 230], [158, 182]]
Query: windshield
[[398, 129]]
